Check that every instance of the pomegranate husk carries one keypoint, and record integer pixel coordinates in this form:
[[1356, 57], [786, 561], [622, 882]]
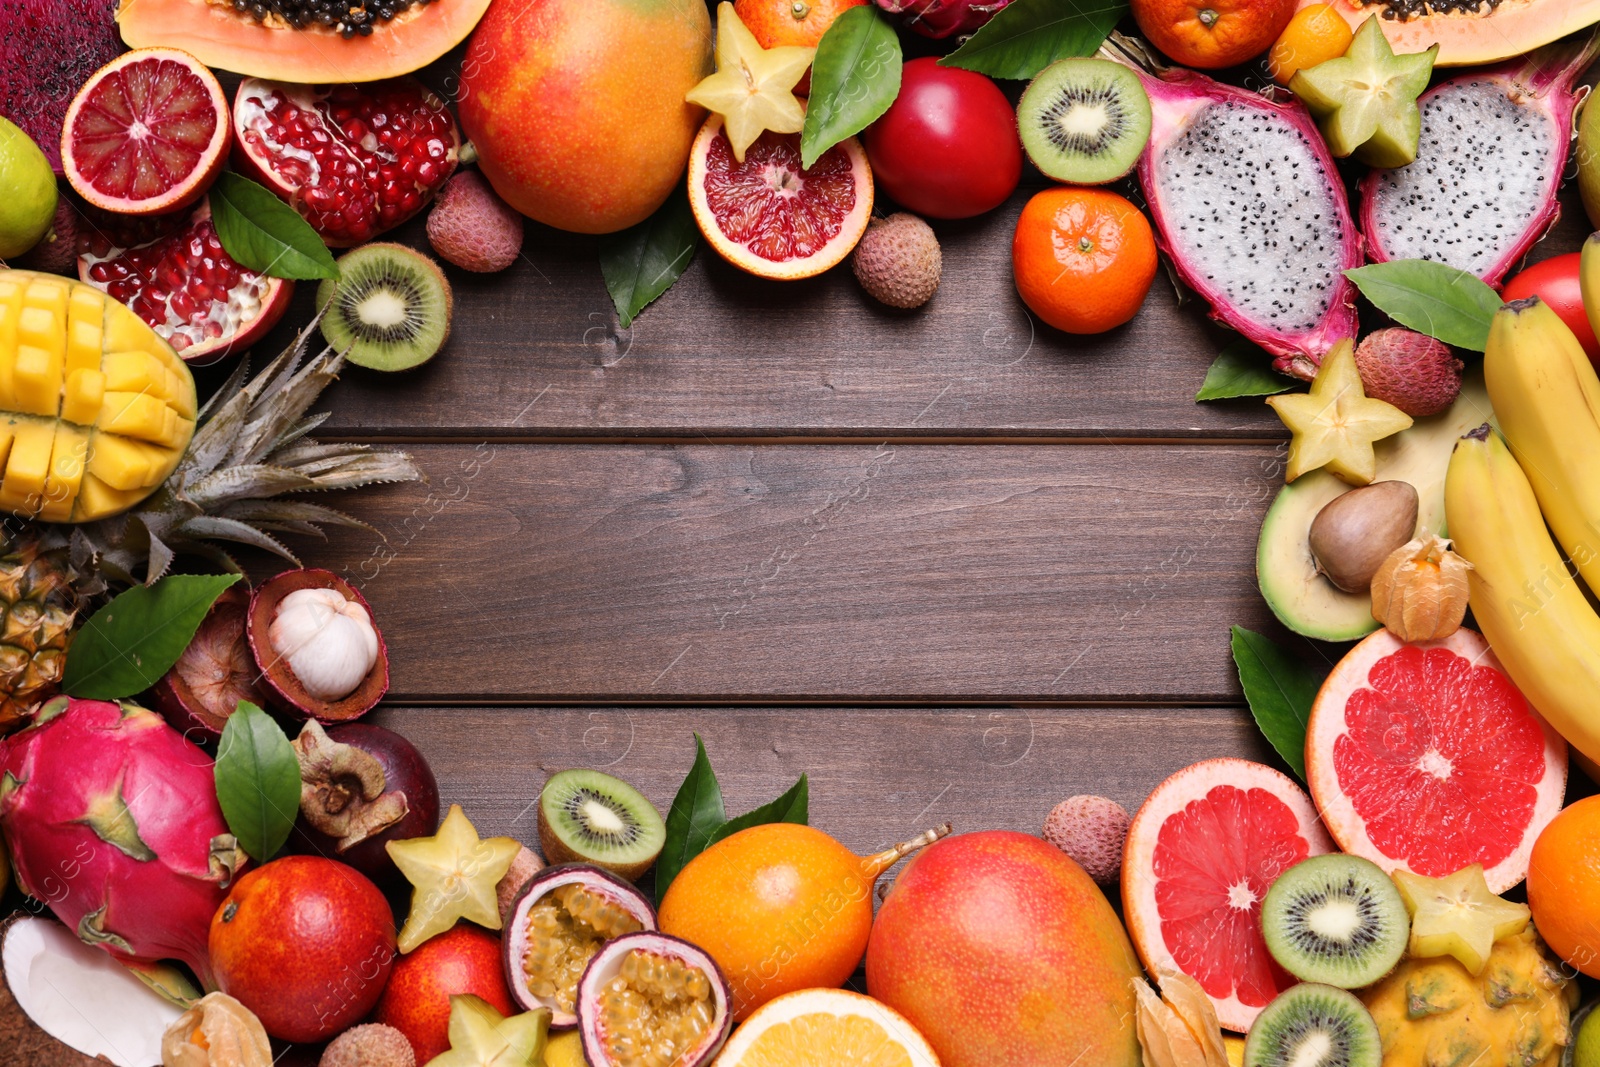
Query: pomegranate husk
[[283, 689], [1420, 591], [214, 673]]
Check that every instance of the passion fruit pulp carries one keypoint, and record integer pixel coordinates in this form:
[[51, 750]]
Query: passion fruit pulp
[[214, 672], [651, 1000], [284, 690], [561, 920]]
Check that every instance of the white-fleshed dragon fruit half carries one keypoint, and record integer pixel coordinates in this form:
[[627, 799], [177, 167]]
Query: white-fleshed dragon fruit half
[[1251, 212], [1483, 187]]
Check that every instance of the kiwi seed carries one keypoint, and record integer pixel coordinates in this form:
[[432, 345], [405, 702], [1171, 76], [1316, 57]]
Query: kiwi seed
[[1084, 121], [592, 817], [1335, 919], [388, 310]]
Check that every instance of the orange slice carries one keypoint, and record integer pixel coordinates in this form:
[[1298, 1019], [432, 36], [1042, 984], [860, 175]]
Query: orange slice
[[825, 1028]]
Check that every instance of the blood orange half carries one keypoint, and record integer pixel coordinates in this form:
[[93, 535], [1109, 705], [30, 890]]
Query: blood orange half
[[1427, 758], [1201, 854], [771, 216], [147, 133]]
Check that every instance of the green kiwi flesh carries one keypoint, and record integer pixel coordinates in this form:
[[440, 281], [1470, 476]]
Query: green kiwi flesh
[[1335, 919], [389, 309], [1312, 1025], [592, 817], [1084, 121]]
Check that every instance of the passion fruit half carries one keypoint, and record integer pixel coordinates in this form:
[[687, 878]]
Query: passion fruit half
[[650, 998], [214, 673], [286, 690], [559, 922]]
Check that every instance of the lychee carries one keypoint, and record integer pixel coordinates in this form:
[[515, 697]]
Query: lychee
[[1416, 373], [897, 261], [472, 227], [57, 251], [369, 1045], [1092, 830]]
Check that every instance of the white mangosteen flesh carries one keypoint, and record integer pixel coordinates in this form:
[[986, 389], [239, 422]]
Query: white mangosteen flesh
[[327, 640], [81, 996]]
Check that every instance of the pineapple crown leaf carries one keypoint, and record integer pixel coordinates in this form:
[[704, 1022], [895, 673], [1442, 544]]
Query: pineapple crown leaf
[[278, 412], [300, 429], [247, 482], [290, 511], [225, 529]]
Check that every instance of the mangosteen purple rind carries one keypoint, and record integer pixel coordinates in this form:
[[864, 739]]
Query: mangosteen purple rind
[[603, 967], [283, 689], [514, 938], [214, 672]]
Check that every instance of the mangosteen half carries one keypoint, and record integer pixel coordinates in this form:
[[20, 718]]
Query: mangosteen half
[[214, 673], [361, 787], [556, 926], [686, 1002], [320, 653]]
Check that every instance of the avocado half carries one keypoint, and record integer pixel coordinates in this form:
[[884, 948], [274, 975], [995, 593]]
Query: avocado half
[[1304, 600]]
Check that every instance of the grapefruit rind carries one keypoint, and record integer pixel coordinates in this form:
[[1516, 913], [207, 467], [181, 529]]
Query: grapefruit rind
[[1327, 724], [850, 231], [841, 1004], [1139, 882]]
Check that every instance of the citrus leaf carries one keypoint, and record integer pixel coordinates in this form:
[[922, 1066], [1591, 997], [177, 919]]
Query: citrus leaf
[[264, 234], [1279, 689], [1432, 298], [791, 807], [1242, 369], [1029, 35], [641, 262], [854, 78], [128, 644], [695, 815], [258, 781]]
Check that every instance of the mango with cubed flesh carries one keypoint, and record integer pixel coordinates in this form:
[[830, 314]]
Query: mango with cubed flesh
[[96, 409]]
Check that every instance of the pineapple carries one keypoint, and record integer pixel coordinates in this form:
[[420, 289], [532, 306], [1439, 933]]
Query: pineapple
[[40, 606], [1434, 1013]]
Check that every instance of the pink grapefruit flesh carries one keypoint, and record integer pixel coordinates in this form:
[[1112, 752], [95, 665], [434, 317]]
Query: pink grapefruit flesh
[[771, 216], [1201, 854], [1427, 758], [146, 134]]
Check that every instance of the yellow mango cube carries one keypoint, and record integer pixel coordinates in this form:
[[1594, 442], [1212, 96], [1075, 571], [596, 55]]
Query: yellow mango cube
[[85, 392], [96, 499], [28, 465], [67, 457], [136, 372], [134, 415], [36, 381], [49, 294], [123, 463]]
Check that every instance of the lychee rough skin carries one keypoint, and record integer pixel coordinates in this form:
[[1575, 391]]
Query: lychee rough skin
[[369, 1045], [1092, 830], [898, 262], [473, 228], [57, 252], [1416, 373]]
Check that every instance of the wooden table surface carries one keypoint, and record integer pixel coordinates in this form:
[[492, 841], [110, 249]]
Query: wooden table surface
[[952, 563]]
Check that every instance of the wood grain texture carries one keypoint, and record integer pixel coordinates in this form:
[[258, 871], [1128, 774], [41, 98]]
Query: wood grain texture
[[877, 775], [550, 573]]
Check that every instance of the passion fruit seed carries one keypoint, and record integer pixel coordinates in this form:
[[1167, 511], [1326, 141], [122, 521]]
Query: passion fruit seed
[[654, 1011], [566, 927]]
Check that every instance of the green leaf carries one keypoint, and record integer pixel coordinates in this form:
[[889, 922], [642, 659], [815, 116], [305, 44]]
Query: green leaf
[[791, 807], [264, 234], [854, 78], [1279, 689], [643, 261], [1431, 298], [258, 781], [695, 815], [1242, 370], [131, 642], [1029, 35]]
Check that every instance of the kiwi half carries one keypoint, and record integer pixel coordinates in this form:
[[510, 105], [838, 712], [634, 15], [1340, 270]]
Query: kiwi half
[[389, 309], [1311, 1025], [1335, 919], [592, 817], [1084, 121]]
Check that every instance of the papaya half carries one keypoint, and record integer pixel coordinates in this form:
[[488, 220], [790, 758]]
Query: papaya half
[[1464, 32], [218, 36]]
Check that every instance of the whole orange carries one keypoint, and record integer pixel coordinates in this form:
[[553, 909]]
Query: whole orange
[[780, 907], [776, 23], [1211, 34], [304, 942], [1083, 259], [1564, 885], [1314, 35]]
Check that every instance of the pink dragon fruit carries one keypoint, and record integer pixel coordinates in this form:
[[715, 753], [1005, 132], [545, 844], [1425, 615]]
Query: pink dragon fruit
[[1483, 187], [942, 18], [1252, 213], [111, 819]]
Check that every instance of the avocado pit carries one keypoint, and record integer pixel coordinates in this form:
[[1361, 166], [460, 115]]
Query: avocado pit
[[1355, 532]]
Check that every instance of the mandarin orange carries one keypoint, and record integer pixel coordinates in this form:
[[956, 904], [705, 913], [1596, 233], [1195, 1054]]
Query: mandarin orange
[[1083, 259]]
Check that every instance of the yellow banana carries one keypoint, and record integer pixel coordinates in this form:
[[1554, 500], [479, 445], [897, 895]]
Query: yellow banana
[[1589, 279], [1546, 399], [1533, 613]]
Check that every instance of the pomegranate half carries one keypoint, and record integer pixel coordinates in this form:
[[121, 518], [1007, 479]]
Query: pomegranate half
[[354, 160], [652, 993], [557, 925]]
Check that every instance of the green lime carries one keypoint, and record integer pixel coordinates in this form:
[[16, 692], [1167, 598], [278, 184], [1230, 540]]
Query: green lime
[[29, 204], [1586, 1049]]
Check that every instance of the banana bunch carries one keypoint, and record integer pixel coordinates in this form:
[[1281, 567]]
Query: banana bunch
[[1499, 496]]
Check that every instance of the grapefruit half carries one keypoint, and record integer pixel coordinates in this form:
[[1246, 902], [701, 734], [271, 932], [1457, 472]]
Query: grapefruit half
[[771, 216], [1427, 758], [1201, 854]]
